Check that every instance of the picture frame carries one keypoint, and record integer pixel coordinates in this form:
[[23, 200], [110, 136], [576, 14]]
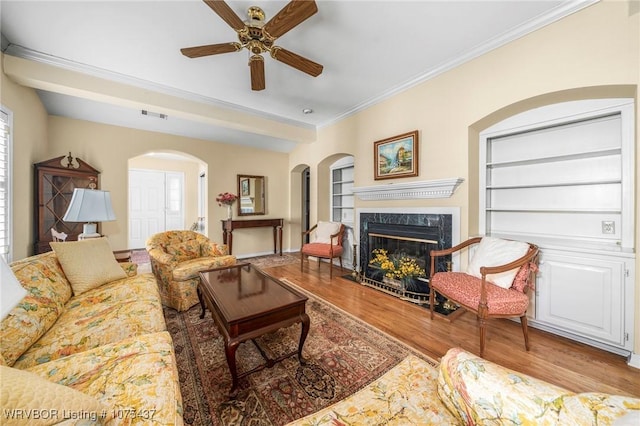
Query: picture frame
[[397, 156], [245, 190]]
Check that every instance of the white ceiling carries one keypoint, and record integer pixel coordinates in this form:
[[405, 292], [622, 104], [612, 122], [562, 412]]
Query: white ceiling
[[369, 49]]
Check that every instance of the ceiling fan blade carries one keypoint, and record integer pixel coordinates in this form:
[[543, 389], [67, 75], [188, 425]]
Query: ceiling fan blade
[[226, 13], [210, 49], [289, 16], [296, 61], [256, 63]]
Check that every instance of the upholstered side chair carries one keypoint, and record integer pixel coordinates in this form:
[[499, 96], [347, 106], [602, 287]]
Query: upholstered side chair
[[325, 243], [177, 258], [495, 284]]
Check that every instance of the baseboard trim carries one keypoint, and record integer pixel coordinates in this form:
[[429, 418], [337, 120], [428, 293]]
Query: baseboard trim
[[634, 360]]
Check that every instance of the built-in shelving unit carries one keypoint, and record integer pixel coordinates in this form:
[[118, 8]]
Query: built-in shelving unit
[[562, 177], [342, 202]]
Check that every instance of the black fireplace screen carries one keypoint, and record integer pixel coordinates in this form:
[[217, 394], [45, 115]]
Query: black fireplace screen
[[400, 260], [394, 251]]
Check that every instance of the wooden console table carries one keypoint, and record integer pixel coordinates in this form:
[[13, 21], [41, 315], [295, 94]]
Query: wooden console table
[[229, 225]]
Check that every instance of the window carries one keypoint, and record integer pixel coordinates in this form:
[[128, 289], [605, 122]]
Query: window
[[5, 183]]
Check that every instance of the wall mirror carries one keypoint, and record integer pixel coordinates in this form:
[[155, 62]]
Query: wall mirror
[[251, 193]]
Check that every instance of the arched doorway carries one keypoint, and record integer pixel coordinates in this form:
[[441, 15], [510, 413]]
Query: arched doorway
[[165, 193]]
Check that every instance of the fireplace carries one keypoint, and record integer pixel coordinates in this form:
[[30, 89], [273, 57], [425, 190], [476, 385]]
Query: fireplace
[[405, 239]]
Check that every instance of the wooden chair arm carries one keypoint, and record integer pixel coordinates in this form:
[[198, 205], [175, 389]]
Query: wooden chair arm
[[307, 232], [444, 252], [339, 235], [486, 270], [436, 253]]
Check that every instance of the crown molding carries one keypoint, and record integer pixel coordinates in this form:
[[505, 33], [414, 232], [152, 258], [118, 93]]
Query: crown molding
[[440, 188], [562, 11], [33, 55]]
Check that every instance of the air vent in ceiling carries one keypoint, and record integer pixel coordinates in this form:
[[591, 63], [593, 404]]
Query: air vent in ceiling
[[154, 114]]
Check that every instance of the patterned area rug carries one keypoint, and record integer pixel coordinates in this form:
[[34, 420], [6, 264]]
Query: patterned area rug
[[272, 260], [342, 355]]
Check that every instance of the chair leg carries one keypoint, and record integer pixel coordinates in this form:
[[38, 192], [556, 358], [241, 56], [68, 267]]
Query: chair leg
[[432, 298], [525, 330], [330, 268], [483, 327]]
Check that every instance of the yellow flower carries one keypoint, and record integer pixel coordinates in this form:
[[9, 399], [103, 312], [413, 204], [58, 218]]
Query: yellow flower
[[396, 267]]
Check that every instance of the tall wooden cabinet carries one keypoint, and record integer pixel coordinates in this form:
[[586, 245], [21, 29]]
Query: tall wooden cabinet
[[55, 181]]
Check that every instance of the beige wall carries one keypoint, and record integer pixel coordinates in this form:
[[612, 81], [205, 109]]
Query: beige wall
[[592, 53], [108, 149], [29, 146]]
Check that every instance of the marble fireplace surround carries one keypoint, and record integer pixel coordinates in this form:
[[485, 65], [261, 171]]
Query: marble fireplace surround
[[404, 215]]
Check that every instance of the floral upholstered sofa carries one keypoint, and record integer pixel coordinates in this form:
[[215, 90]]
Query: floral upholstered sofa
[[177, 257], [89, 350], [467, 390]]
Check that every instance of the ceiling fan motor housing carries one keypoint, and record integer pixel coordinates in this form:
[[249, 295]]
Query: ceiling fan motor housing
[[252, 36]]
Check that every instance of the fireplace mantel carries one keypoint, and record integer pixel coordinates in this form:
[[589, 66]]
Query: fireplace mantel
[[439, 188]]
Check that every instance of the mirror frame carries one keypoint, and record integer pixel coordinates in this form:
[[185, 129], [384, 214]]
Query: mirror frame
[[245, 178]]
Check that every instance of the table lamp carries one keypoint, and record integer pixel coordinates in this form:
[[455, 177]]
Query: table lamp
[[91, 206], [12, 291]]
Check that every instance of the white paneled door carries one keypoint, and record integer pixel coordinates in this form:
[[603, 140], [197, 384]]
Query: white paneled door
[[156, 204]]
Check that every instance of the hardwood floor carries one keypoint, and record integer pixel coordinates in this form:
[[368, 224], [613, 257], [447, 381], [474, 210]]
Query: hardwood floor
[[563, 362]]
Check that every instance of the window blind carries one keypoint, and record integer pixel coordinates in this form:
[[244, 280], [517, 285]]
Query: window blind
[[5, 184]]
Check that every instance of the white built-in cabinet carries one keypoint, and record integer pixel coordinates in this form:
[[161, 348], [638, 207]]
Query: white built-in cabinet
[[562, 177], [590, 295]]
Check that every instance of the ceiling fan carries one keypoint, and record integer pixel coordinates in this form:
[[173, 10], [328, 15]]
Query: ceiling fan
[[258, 37]]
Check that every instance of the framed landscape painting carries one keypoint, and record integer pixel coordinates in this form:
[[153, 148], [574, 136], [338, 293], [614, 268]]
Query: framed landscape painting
[[244, 188], [396, 157]]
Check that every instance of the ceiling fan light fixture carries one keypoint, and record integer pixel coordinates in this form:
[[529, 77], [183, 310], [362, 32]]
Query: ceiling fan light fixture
[[256, 16], [258, 37]]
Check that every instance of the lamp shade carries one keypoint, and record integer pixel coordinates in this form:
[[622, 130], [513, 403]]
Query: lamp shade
[[89, 205], [11, 292]]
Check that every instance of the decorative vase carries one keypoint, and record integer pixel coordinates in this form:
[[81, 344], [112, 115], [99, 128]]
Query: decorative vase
[[229, 212]]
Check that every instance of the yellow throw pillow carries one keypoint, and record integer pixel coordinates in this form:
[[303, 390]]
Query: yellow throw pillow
[[88, 263], [28, 399]]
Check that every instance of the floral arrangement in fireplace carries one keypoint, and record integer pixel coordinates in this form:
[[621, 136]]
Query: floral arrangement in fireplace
[[398, 267]]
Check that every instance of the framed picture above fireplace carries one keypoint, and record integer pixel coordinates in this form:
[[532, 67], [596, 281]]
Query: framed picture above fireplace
[[396, 157]]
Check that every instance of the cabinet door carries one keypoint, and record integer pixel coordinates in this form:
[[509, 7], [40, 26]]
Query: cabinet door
[[582, 294]]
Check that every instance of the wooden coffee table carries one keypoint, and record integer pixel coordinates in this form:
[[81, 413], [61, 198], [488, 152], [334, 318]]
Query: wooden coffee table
[[246, 303]]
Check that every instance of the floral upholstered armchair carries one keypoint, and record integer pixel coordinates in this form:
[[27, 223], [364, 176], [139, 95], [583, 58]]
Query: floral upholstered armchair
[[177, 257]]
